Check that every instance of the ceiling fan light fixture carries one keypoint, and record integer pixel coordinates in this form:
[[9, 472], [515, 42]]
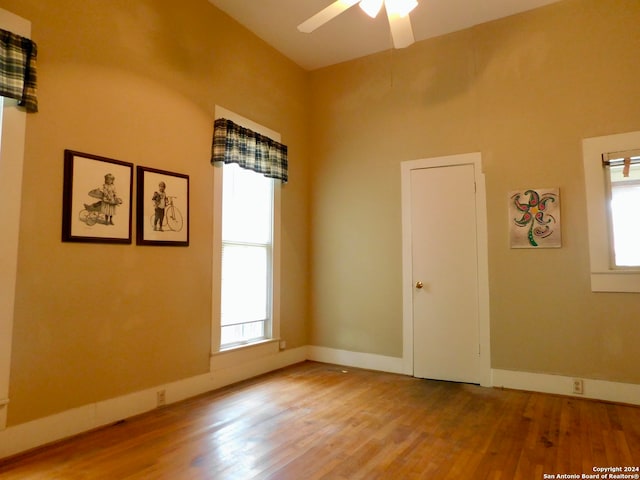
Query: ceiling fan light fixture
[[397, 14], [371, 7], [401, 8]]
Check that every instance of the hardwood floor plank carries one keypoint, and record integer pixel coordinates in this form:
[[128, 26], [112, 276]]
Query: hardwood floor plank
[[315, 421]]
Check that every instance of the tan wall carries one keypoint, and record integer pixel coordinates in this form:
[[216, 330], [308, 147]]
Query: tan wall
[[138, 81], [524, 91], [117, 79]]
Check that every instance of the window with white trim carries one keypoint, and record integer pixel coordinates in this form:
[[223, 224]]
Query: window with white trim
[[622, 176], [247, 240], [612, 186], [246, 250], [12, 142]]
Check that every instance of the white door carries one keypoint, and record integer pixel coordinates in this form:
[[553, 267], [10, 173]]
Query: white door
[[445, 273]]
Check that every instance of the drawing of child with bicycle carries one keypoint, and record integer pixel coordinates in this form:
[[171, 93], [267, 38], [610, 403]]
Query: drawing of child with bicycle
[[160, 201]]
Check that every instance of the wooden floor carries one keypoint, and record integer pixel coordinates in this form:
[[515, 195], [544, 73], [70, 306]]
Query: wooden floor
[[318, 421]]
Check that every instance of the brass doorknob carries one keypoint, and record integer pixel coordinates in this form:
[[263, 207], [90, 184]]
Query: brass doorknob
[[419, 285]]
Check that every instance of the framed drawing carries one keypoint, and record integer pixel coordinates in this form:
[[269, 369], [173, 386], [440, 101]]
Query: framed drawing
[[534, 218], [96, 199], [163, 208]]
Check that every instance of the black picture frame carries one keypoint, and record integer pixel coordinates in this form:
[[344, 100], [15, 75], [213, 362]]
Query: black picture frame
[[173, 228], [92, 211]]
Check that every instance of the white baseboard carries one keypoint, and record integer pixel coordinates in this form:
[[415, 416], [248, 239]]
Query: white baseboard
[[232, 367], [29, 435], [235, 366], [368, 361], [628, 393], [561, 385]]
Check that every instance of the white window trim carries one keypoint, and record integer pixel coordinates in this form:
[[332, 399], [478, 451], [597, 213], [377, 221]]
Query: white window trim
[[12, 137], [605, 278], [221, 112]]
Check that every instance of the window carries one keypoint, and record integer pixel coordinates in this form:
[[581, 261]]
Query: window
[[612, 186], [246, 251], [12, 139], [247, 220], [623, 181]]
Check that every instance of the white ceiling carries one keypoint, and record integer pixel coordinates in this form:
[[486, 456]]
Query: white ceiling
[[353, 34]]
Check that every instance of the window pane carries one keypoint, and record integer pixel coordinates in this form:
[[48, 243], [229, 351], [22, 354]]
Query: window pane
[[625, 201], [246, 206], [244, 283], [242, 333]]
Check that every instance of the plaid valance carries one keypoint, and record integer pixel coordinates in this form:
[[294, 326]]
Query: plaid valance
[[251, 150], [18, 69]]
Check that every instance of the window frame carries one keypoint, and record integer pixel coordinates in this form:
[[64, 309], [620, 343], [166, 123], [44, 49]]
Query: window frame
[[268, 248], [605, 277], [13, 135], [618, 187], [218, 172]]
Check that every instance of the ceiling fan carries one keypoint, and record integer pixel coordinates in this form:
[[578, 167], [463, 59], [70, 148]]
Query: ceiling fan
[[397, 13]]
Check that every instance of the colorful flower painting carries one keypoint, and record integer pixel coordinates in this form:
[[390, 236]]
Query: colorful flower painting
[[534, 218]]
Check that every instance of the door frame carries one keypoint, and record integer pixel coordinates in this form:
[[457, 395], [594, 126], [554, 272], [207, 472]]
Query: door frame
[[474, 159]]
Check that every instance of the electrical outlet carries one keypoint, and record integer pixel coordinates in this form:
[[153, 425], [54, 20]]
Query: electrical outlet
[[578, 386], [161, 397], [283, 344]]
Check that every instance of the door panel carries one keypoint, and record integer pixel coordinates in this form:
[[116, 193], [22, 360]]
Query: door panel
[[444, 259]]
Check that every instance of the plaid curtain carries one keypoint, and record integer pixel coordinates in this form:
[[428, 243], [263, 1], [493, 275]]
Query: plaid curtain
[[235, 144], [18, 69]]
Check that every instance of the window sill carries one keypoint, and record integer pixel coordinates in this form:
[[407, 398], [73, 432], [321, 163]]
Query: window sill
[[231, 358], [248, 346], [623, 282]]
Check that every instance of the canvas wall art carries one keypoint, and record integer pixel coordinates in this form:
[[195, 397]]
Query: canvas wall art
[[534, 218]]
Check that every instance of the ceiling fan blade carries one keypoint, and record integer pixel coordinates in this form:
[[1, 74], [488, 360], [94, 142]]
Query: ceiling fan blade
[[326, 14], [401, 30]]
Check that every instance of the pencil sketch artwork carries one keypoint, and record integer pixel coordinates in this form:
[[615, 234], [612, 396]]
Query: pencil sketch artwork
[[103, 210], [166, 216], [534, 218], [96, 199], [163, 208]]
